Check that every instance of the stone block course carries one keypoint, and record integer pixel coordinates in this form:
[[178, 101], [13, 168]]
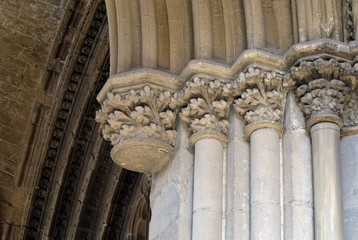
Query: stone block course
[[28, 29], [12, 136], [7, 149], [19, 25]]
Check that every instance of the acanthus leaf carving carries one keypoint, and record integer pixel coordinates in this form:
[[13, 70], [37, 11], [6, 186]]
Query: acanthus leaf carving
[[137, 114], [261, 94], [205, 104]]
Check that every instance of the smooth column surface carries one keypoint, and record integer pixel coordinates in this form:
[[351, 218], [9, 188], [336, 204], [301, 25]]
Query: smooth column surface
[[265, 184], [349, 170], [327, 182], [208, 177]]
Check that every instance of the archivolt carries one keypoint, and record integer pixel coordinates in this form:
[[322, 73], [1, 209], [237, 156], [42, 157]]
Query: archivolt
[[167, 34]]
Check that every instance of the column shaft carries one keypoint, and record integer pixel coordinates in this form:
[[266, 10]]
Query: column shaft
[[349, 169], [265, 184], [327, 181], [208, 177]]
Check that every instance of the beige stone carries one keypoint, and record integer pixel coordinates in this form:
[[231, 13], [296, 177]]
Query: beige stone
[[57, 178]]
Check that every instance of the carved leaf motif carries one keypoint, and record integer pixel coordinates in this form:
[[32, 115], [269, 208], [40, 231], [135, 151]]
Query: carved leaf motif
[[139, 113], [261, 94], [322, 97], [320, 68], [171, 135], [221, 107], [198, 107], [350, 111], [325, 86], [117, 119], [101, 117], [204, 104], [167, 118], [128, 131], [142, 115]]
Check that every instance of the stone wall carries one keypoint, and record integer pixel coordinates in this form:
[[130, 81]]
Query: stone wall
[[28, 32]]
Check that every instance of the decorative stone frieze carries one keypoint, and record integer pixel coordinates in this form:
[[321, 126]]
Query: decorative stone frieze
[[325, 90], [261, 98], [139, 118], [205, 105]]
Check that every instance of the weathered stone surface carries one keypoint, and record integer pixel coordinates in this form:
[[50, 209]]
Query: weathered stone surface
[[261, 95], [172, 193], [349, 168], [27, 34], [297, 175], [237, 181], [47, 49]]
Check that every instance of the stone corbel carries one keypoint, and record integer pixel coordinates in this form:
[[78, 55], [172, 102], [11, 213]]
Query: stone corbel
[[260, 98], [140, 126]]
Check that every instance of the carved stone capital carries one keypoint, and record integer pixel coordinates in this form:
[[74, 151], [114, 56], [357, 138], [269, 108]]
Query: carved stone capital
[[261, 96], [205, 104], [350, 111], [324, 90], [132, 118], [322, 97]]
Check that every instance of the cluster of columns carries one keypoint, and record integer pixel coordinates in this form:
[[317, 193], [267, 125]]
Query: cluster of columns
[[323, 88]]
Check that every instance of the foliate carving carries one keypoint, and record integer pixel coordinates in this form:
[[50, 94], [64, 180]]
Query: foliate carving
[[322, 97], [261, 95], [349, 20], [330, 69], [205, 104], [350, 111], [325, 86], [137, 114]]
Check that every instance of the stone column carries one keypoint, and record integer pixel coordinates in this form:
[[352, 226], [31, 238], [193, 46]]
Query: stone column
[[327, 181], [260, 100], [349, 166], [208, 178], [324, 87], [205, 106]]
